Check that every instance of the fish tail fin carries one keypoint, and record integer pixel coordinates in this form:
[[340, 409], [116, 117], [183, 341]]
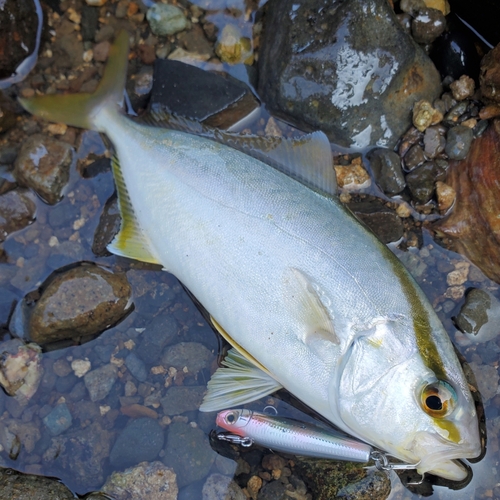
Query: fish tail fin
[[81, 110]]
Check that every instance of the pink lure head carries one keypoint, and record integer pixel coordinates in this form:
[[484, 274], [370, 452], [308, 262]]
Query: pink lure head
[[233, 420]]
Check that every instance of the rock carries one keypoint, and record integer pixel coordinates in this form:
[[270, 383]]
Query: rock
[[421, 181], [82, 301], [8, 301], [478, 318], [414, 157], [352, 177], [58, 420], [306, 63], [215, 99], [473, 225], [487, 380], [43, 165], [195, 42], [219, 487], [19, 22], [100, 381], [179, 399], [434, 141], [489, 76], [232, 47], [462, 88], [140, 441], [427, 25], [165, 19], [82, 455], [159, 333], [7, 114], [454, 53], [190, 357], [458, 141], [412, 6], [17, 210], [145, 480], [383, 221], [15, 485], [188, 452], [20, 369], [136, 367], [328, 478], [445, 195], [424, 115], [109, 225], [386, 168]]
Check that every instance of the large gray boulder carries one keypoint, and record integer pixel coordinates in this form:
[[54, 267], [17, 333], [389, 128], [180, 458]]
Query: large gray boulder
[[346, 67]]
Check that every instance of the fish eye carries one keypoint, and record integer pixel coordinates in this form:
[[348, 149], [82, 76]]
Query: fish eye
[[231, 418], [438, 399]]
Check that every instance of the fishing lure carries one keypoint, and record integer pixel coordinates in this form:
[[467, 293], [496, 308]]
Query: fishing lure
[[288, 435]]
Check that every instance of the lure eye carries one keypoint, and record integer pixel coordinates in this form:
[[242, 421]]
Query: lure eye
[[438, 399], [231, 418]]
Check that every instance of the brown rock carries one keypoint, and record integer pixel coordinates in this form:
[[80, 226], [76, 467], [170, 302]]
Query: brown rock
[[17, 210], [474, 224], [101, 51], [82, 301], [489, 77], [138, 411], [43, 165], [147, 53]]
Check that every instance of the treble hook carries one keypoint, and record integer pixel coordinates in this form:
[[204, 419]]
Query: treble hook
[[382, 462]]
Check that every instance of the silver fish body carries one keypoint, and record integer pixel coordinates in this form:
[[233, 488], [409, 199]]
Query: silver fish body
[[292, 280]]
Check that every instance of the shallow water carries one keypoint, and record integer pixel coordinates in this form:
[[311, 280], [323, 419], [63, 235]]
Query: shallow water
[[32, 257]]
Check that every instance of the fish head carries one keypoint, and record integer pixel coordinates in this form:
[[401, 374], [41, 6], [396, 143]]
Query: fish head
[[234, 420], [411, 404]]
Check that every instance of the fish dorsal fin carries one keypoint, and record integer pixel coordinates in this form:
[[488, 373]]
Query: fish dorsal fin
[[243, 352], [306, 304], [130, 241], [237, 382], [307, 159]]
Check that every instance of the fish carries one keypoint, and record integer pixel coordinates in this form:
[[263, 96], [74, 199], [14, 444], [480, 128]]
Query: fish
[[291, 436], [308, 298]]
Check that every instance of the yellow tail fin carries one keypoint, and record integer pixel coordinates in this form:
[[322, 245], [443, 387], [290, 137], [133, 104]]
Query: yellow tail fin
[[79, 110]]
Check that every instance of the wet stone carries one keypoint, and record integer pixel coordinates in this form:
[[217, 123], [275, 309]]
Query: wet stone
[[386, 167], [136, 367], [374, 486], [159, 333], [100, 381], [140, 441], [312, 82], [462, 88], [17, 210], [487, 380], [383, 221], [427, 25], [458, 142], [434, 142], [188, 452], [474, 312], [165, 19], [232, 47], [154, 480], [489, 77], [43, 165], [179, 399], [191, 357], [108, 227], [218, 486], [275, 490], [420, 182], [414, 157], [82, 301], [425, 115], [412, 6], [19, 486], [8, 301], [58, 420]]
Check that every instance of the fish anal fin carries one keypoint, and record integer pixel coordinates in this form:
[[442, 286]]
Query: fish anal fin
[[237, 346], [236, 383], [305, 302], [130, 241]]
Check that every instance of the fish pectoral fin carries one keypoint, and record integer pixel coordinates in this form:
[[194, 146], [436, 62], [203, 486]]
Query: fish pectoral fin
[[130, 241], [305, 303], [237, 382]]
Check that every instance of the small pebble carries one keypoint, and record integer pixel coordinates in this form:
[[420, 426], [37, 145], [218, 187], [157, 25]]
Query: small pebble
[[427, 25], [58, 420], [424, 115], [445, 196], [458, 142], [462, 88], [165, 19], [80, 367]]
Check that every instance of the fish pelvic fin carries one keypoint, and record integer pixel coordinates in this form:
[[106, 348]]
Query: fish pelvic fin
[[80, 110], [237, 382]]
